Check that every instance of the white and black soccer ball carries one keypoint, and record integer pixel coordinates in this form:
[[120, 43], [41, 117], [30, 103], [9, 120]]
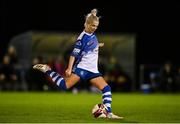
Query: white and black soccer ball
[[99, 111]]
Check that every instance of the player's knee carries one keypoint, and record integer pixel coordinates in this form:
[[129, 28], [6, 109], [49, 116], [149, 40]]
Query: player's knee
[[67, 87], [68, 84]]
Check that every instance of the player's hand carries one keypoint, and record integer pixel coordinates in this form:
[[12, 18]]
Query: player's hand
[[101, 44], [68, 72]]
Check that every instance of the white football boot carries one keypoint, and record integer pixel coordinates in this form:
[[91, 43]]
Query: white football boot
[[42, 67], [113, 116]]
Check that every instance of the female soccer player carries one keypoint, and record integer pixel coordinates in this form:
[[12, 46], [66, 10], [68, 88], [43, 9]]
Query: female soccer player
[[83, 63]]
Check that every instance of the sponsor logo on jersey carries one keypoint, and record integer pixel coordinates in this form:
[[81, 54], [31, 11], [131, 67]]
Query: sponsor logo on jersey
[[76, 50], [90, 43]]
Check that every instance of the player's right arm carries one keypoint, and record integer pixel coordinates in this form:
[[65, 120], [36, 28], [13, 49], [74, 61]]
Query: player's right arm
[[76, 53], [70, 66]]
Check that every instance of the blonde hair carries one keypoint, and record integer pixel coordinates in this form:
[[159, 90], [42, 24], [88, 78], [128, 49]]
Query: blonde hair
[[92, 17]]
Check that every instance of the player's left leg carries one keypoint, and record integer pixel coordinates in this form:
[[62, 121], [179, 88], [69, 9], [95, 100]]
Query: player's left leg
[[101, 84], [63, 83]]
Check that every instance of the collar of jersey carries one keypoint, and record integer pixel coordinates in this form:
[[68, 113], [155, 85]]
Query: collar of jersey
[[87, 33]]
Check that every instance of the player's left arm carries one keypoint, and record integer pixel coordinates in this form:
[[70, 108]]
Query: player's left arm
[[101, 44]]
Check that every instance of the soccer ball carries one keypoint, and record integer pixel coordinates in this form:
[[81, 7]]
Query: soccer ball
[[99, 111]]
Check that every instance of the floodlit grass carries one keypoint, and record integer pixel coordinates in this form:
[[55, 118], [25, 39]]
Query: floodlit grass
[[50, 107]]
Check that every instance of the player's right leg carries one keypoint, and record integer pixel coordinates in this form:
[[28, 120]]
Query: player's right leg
[[102, 85], [58, 79]]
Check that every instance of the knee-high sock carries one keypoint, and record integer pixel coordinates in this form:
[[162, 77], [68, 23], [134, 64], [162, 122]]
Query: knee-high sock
[[60, 82], [107, 97]]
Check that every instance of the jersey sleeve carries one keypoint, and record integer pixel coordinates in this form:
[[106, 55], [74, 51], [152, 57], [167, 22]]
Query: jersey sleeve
[[77, 49]]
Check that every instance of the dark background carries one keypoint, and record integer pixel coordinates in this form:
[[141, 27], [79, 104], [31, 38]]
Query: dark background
[[156, 24]]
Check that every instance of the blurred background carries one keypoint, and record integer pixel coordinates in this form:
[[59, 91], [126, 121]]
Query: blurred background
[[141, 52]]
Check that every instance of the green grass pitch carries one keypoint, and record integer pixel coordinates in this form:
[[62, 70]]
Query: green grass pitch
[[58, 107]]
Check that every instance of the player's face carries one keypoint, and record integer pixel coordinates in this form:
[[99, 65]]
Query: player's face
[[90, 28]]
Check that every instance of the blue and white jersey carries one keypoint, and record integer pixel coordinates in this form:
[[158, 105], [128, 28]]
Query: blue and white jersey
[[86, 52]]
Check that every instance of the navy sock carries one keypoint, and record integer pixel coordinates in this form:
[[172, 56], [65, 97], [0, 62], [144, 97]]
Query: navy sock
[[59, 80], [107, 97]]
